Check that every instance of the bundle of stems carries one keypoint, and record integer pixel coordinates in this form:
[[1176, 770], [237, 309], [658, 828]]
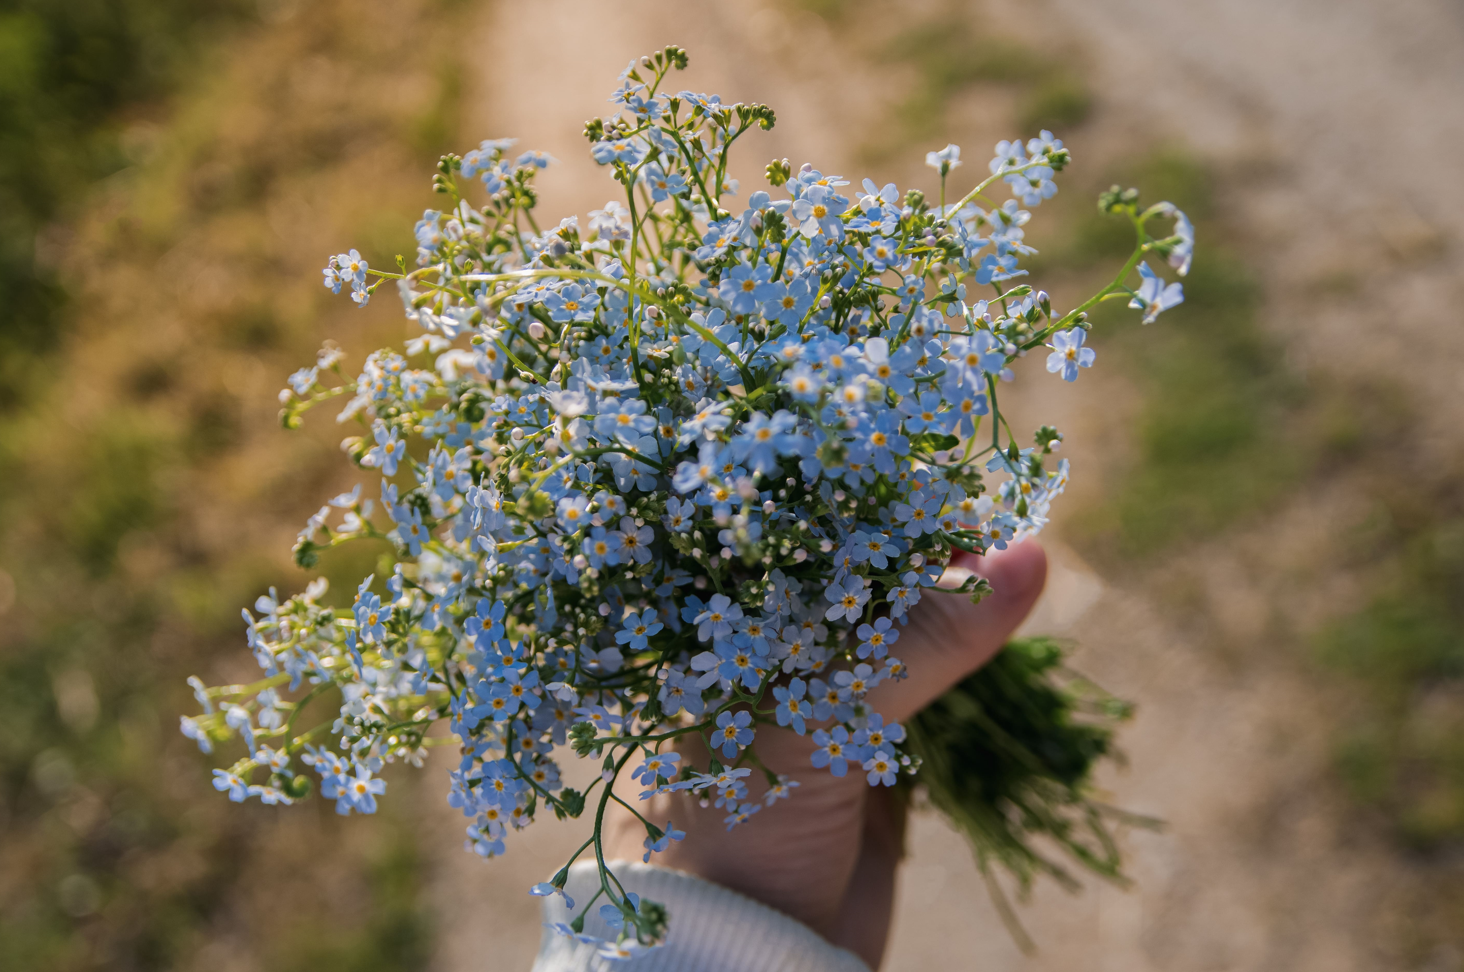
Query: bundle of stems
[[1008, 755]]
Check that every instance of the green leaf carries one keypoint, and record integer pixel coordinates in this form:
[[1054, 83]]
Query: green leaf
[[933, 442]]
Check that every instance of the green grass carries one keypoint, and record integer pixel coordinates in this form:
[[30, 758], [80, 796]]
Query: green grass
[[1057, 101], [130, 526], [1402, 753], [391, 933], [1214, 438], [72, 74], [1227, 434], [1211, 436], [951, 55], [829, 10]]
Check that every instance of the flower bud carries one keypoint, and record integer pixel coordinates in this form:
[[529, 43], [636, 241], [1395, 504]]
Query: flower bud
[[536, 330]]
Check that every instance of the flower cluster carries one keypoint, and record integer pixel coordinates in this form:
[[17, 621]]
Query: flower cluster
[[684, 470]]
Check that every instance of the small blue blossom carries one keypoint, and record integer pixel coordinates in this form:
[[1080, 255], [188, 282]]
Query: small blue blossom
[[661, 764], [944, 160], [194, 731], [680, 515], [1153, 296], [832, 750], [362, 790], [637, 629], [625, 150], [1181, 253], [351, 267], [733, 733], [919, 516], [1068, 353], [792, 707], [876, 735], [544, 889], [717, 620], [763, 438], [848, 597], [741, 815], [881, 769], [995, 268], [854, 684], [571, 303], [875, 639], [387, 452], [602, 548], [655, 845], [573, 511], [228, 783], [818, 211], [371, 617], [923, 414], [663, 184]]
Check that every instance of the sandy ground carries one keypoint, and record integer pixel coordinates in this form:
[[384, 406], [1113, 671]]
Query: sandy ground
[[1347, 114]]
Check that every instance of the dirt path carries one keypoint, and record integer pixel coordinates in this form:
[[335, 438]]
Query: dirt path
[[1347, 113], [1346, 116]]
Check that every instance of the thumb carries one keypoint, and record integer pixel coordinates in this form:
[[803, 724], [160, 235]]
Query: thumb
[[948, 637]]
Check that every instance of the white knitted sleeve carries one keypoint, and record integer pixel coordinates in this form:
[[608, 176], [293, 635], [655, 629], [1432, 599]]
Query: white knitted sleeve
[[713, 929]]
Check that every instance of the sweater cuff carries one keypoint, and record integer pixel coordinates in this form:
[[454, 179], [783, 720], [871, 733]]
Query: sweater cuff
[[712, 929]]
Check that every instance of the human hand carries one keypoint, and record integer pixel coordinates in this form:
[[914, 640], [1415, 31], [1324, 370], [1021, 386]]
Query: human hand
[[828, 855]]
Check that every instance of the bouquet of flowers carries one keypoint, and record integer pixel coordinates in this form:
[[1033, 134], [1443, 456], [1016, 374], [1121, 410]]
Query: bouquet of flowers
[[683, 470]]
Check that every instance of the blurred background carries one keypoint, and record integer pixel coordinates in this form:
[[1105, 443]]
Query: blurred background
[[1264, 546]]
